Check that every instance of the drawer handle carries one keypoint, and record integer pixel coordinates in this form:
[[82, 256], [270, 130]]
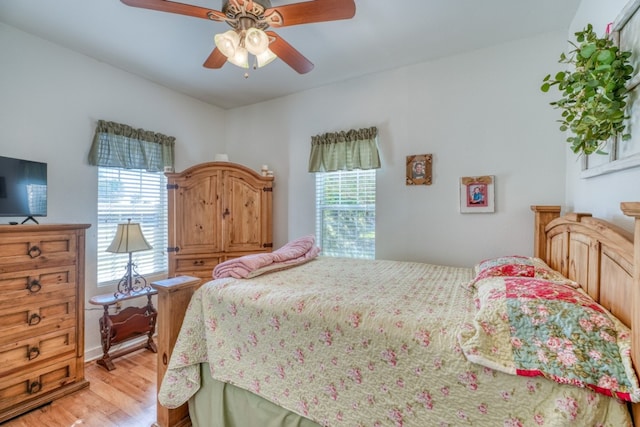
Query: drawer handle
[[198, 262], [34, 286], [34, 319], [33, 353], [34, 252], [35, 387], [164, 359]]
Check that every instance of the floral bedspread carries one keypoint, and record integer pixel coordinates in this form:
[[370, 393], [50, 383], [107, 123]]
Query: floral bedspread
[[359, 343]]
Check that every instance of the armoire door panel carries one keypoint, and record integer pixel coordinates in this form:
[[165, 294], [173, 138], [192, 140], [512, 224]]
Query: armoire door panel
[[197, 198], [243, 227]]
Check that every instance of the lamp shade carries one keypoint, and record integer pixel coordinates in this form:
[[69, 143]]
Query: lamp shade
[[265, 58], [228, 42], [241, 58], [256, 41], [129, 238]]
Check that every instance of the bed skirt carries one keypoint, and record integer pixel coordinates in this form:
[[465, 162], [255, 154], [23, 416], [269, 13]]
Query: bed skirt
[[217, 404]]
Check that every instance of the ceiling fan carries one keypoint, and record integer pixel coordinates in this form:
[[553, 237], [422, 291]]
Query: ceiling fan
[[249, 20]]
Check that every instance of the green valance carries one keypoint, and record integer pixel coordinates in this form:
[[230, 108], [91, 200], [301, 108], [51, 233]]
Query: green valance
[[121, 146], [347, 150]]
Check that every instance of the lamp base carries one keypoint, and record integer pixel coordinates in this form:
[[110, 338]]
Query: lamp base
[[131, 282]]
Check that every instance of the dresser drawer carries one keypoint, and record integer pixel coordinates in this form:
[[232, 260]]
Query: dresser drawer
[[33, 283], [25, 251], [197, 263], [196, 266], [27, 352], [28, 319], [24, 385]]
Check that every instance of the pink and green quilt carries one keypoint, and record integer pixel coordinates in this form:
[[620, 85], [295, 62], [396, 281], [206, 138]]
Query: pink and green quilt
[[532, 327]]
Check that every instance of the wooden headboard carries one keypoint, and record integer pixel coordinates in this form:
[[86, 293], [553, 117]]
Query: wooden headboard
[[601, 257]]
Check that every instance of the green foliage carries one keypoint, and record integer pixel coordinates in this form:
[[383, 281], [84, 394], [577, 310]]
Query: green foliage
[[348, 232], [594, 94]]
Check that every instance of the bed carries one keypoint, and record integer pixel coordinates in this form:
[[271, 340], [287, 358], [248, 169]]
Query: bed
[[308, 350]]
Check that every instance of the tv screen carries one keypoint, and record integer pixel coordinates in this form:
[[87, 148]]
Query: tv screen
[[23, 187]]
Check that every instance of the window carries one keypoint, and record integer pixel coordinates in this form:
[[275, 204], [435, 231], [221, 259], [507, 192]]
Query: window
[[622, 154], [346, 213], [141, 196]]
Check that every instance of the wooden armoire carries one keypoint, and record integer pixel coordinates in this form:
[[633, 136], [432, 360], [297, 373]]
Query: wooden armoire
[[217, 211]]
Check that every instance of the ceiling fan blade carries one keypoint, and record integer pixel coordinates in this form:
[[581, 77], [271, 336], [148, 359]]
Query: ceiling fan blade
[[309, 12], [181, 8], [215, 60], [289, 54]]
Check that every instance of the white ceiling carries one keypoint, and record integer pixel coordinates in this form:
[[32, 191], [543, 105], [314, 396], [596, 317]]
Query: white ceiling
[[169, 49]]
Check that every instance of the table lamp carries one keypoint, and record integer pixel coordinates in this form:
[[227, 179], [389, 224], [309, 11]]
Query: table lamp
[[129, 239]]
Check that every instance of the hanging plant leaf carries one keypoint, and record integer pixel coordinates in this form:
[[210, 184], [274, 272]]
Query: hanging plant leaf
[[587, 51], [593, 94], [606, 57]]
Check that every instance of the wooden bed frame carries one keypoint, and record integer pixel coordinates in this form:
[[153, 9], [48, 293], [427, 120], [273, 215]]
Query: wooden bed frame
[[601, 257], [598, 255]]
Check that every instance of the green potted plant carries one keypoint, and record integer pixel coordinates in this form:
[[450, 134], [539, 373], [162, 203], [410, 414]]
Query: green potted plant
[[594, 93]]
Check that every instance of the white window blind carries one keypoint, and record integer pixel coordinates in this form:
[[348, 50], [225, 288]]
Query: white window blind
[[346, 213], [142, 197]]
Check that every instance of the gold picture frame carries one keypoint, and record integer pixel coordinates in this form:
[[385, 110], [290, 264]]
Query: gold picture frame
[[419, 169]]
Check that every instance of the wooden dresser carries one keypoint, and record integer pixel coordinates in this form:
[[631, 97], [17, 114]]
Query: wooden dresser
[[217, 211], [41, 315]]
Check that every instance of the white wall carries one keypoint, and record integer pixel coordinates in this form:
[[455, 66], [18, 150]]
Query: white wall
[[477, 113], [50, 100], [600, 195], [481, 113]]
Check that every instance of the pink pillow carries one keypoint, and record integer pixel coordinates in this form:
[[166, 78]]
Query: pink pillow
[[510, 270], [518, 266]]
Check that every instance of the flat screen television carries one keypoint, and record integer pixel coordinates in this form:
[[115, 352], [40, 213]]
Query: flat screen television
[[23, 188]]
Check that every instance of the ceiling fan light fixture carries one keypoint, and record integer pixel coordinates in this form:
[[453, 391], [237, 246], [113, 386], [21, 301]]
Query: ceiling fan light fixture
[[250, 21], [241, 58], [228, 43], [256, 41], [265, 58]]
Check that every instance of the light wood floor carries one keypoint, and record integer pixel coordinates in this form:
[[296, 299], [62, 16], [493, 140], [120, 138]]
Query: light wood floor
[[124, 397]]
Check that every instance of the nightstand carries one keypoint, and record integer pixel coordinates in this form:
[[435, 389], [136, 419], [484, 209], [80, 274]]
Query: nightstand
[[128, 324]]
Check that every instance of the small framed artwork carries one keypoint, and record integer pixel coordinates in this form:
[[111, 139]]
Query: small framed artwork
[[476, 194], [419, 169]]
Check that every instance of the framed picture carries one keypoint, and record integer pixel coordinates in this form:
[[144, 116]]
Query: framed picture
[[476, 194], [419, 169]]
